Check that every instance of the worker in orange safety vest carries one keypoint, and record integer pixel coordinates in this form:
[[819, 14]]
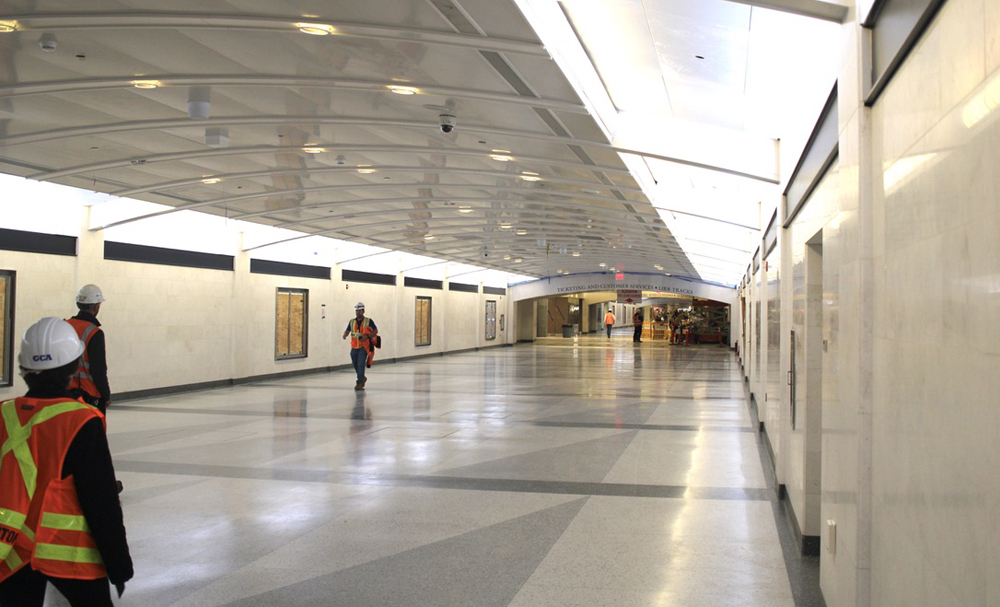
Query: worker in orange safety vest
[[60, 517], [364, 340], [90, 381]]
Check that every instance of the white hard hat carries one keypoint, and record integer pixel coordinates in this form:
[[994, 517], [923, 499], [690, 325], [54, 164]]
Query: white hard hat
[[89, 294], [50, 343], [359, 306]]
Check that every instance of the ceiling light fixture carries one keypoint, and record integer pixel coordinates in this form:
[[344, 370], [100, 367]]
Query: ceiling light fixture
[[429, 237], [403, 90], [505, 226], [506, 257], [530, 176], [211, 180], [315, 29], [499, 157], [365, 169], [603, 265], [8, 26], [313, 150], [464, 209], [521, 231], [576, 253], [145, 84], [517, 260]]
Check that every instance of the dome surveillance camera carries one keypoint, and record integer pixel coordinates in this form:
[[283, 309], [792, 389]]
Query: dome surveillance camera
[[48, 42], [448, 122]]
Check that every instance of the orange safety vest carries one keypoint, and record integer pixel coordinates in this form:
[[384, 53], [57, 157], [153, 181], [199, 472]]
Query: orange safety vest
[[82, 379], [41, 522], [358, 332], [609, 319]]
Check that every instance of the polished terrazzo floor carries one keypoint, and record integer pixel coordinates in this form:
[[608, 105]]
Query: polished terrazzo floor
[[571, 472]]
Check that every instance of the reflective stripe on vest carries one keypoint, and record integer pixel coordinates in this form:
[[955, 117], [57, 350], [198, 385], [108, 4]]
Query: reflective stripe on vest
[[68, 554]]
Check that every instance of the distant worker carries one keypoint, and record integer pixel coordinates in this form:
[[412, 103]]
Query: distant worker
[[364, 335], [90, 382], [609, 321], [637, 324], [60, 517]]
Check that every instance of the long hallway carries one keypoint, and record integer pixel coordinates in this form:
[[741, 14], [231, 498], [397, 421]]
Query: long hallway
[[584, 471]]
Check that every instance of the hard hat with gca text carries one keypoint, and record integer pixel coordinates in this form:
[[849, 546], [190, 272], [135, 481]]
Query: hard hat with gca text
[[50, 343], [89, 294]]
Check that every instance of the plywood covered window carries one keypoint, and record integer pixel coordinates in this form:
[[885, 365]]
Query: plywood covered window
[[291, 326], [422, 322], [6, 328]]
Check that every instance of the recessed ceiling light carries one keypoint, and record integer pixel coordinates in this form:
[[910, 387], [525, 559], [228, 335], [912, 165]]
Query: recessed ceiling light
[[521, 231], [211, 180], [464, 209], [313, 150], [365, 169], [506, 256], [576, 253], [603, 265], [505, 226], [7, 26], [517, 260], [315, 29], [429, 237], [530, 176], [145, 84], [402, 90], [501, 157]]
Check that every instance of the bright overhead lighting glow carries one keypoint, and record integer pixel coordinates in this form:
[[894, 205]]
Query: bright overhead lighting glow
[[429, 237], [506, 257], [365, 169], [530, 176], [145, 84], [7, 26], [402, 90], [315, 29], [211, 180], [603, 265], [517, 260], [464, 209], [576, 253], [521, 231], [501, 157], [505, 226], [312, 150]]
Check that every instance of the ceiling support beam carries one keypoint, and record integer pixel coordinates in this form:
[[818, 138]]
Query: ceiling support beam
[[817, 9]]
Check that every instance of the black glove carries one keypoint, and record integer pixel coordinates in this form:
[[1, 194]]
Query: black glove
[[120, 587]]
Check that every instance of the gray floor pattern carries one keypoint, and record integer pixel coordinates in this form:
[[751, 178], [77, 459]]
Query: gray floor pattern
[[571, 472]]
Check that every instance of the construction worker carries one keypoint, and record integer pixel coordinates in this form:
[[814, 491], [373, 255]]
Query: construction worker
[[60, 518], [90, 381], [363, 334], [609, 321]]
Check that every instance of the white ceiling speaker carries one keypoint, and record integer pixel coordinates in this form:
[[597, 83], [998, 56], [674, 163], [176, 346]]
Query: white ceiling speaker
[[199, 103]]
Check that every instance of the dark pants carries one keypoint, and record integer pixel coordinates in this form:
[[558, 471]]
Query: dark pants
[[637, 334], [26, 588], [359, 358], [609, 330]]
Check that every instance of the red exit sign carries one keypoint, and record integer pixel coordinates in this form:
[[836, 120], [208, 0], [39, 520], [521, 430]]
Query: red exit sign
[[620, 276]]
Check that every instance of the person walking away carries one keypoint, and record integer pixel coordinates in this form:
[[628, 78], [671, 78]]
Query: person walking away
[[363, 333], [637, 324], [609, 321], [90, 381], [60, 518]]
